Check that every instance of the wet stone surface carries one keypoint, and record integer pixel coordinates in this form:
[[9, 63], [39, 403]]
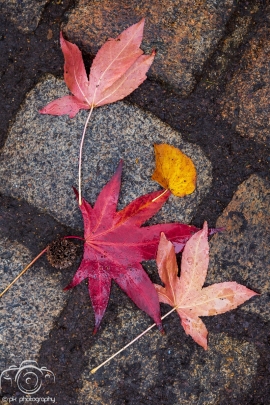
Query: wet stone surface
[[184, 376], [242, 252], [246, 101], [184, 33], [25, 14], [39, 161], [29, 309]]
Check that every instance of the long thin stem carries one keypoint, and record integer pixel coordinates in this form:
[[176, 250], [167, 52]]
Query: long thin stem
[[23, 271], [130, 343], [80, 156], [32, 262]]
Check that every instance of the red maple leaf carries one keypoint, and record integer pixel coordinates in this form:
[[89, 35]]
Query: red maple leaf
[[115, 245], [186, 294], [118, 68]]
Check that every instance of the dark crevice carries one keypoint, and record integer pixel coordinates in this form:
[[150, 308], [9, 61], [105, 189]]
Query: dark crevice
[[255, 11], [198, 118], [24, 58]]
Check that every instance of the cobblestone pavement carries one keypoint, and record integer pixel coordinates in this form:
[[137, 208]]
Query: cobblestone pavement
[[207, 93]]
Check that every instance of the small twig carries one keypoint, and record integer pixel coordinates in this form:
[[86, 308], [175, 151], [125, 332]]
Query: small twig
[[80, 155], [23, 271], [32, 262], [160, 195], [130, 343]]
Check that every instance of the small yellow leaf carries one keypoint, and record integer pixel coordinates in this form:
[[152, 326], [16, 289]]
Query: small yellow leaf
[[174, 170]]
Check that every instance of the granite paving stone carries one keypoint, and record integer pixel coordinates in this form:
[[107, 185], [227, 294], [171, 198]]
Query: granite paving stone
[[200, 377], [242, 252], [28, 310], [184, 33], [40, 158], [246, 100], [230, 45], [25, 14]]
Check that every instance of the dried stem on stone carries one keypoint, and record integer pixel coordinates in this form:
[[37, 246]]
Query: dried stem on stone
[[23, 271], [130, 343], [32, 262], [80, 156]]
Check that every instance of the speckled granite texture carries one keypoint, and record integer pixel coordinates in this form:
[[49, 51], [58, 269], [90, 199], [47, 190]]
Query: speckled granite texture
[[39, 161], [242, 252], [246, 101], [184, 33], [29, 308], [200, 377], [25, 14]]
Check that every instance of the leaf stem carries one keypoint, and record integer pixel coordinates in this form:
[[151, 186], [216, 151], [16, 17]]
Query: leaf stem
[[130, 343], [74, 237], [32, 262], [23, 271], [80, 155], [160, 195]]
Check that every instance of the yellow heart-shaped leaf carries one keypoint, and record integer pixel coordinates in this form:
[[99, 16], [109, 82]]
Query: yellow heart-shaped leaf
[[174, 170]]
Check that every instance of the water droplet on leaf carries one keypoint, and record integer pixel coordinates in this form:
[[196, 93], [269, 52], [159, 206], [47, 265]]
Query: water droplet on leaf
[[190, 260]]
